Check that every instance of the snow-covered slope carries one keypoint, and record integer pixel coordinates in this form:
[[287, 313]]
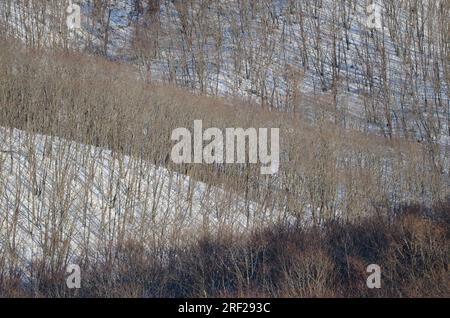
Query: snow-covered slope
[[62, 198], [271, 51]]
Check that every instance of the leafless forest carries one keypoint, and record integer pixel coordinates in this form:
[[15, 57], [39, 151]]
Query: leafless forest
[[86, 117]]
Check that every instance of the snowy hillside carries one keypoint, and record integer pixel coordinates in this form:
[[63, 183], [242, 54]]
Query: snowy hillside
[[286, 54], [78, 200], [355, 94]]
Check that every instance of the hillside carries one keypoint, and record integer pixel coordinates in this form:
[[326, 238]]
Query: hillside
[[393, 79], [92, 119]]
